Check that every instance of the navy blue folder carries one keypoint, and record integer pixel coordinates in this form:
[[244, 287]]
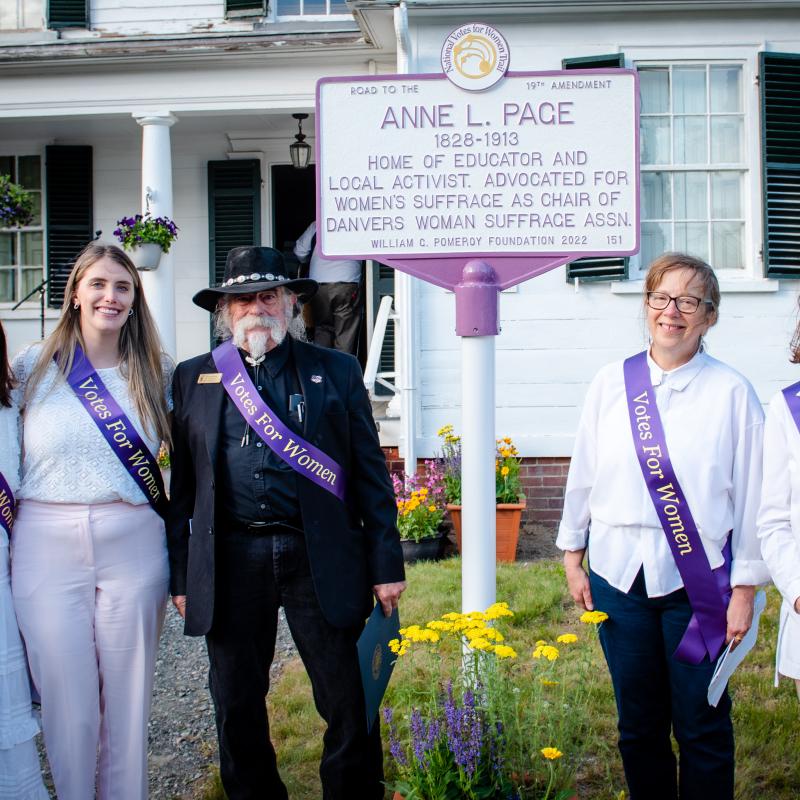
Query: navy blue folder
[[376, 659]]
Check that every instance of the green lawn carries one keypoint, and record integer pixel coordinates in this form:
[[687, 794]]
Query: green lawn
[[580, 711]]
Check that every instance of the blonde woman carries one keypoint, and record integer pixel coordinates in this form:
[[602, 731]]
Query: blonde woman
[[779, 517], [90, 570], [20, 778]]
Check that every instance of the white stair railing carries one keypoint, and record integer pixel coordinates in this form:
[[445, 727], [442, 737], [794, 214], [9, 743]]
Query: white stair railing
[[371, 375]]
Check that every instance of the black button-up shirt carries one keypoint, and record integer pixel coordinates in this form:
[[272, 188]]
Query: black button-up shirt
[[254, 484]]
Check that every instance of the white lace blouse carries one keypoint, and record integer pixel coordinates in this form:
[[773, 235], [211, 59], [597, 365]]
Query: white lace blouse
[[9, 443], [65, 457]]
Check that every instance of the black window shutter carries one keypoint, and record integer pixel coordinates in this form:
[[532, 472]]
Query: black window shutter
[[597, 269], [780, 162], [70, 213], [67, 14], [234, 210], [256, 6]]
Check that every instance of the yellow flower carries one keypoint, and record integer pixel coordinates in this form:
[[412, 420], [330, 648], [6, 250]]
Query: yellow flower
[[546, 651], [493, 633], [551, 753], [431, 509], [398, 647], [440, 625], [505, 452], [504, 651], [444, 430], [480, 644], [594, 617], [538, 644], [497, 610], [567, 638], [507, 440], [504, 471], [452, 615], [546, 682]]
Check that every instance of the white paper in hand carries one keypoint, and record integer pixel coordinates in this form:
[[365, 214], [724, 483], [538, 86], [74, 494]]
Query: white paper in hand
[[730, 659]]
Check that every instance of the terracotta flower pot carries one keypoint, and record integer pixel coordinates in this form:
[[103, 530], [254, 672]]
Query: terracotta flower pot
[[507, 519]]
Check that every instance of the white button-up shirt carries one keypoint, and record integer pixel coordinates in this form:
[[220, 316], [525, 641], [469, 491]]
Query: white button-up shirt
[[779, 517], [713, 424]]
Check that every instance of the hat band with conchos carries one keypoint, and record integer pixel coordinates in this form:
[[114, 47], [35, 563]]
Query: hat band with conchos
[[253, 276]]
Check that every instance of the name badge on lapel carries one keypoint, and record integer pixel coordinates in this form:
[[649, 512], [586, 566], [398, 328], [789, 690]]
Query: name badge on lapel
[[209, 377]]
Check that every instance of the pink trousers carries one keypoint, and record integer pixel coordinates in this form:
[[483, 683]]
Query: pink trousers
[[90, 590]]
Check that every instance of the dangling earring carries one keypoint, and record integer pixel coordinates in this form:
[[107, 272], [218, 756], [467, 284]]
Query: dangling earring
[[76, 305], [130, 312]]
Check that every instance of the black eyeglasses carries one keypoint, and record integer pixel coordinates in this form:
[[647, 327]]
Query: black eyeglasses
[[686, 304]]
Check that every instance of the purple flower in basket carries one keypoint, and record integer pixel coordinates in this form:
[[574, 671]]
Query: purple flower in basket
[[139, 229]]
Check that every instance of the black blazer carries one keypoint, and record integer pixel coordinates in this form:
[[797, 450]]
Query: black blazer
[[351, 546]]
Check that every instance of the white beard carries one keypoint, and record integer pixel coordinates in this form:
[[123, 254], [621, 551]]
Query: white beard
[[256, 342]]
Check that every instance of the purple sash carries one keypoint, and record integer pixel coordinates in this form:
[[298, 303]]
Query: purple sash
[[793, 401], [6, 506], [299, 454], [708, 590], [117, 430]]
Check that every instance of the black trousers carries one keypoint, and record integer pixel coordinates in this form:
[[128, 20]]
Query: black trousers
[[655, 693], [256, 574], [336, 312]]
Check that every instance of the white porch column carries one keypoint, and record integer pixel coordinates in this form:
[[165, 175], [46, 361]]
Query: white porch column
[[159, 284]]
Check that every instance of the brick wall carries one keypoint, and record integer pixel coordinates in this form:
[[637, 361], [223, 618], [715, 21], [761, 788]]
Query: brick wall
[[543, 480]]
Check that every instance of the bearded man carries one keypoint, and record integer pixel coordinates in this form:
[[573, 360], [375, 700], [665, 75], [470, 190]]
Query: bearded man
[[280, 497]]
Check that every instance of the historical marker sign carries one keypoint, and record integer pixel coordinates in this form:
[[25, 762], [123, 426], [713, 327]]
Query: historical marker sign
[[542, 164]]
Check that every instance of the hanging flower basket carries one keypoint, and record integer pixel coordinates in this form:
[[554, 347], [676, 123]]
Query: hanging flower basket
[[145, 238], [146, 256], [16, 204]]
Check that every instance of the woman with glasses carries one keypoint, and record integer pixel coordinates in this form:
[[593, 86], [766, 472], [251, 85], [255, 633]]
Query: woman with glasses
[[666, 475], [779, 516]]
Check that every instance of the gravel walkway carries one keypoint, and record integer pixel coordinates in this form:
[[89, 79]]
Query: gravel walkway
[[183, 737]]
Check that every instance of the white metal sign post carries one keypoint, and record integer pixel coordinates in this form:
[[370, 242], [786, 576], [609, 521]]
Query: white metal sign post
[[477, 192]]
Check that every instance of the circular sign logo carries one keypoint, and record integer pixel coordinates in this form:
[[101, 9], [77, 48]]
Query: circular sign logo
[[475, 56]]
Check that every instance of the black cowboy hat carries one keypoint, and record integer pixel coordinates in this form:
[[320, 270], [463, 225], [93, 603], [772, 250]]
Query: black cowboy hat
[[254, 269]]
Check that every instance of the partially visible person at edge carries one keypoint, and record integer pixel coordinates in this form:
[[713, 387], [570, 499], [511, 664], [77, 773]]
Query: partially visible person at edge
[[779, 516], [90, 570], [336, 308], [249, 533], [20, 778], [646, 577]]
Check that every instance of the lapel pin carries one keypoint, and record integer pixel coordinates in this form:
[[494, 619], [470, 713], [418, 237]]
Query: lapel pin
[[316, 379]]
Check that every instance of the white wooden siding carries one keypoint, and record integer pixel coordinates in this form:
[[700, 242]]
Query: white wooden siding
[[131, 17], [24, 15]]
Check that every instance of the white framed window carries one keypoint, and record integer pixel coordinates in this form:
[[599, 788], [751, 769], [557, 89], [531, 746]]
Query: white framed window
[[305, 9], [694, 162], [22, 250]]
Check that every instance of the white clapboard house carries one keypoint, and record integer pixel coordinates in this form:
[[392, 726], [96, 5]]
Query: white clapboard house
[[193, 100]]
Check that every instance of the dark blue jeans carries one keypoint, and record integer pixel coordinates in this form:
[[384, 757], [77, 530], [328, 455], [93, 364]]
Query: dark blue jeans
[[656, 693], [256, 574]]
